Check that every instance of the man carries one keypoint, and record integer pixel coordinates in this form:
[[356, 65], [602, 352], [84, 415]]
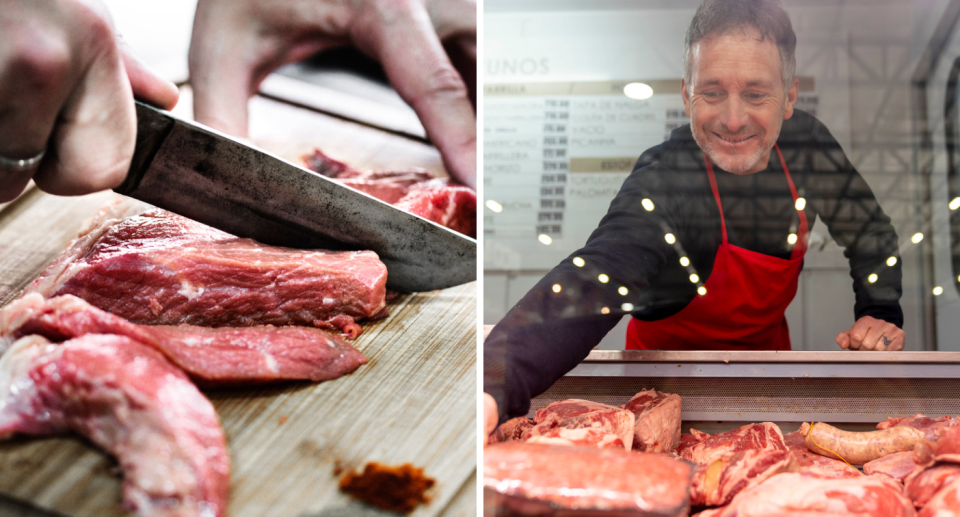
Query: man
[[704, 243]]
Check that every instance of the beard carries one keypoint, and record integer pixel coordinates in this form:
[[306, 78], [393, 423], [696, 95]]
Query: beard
[[737, 163]]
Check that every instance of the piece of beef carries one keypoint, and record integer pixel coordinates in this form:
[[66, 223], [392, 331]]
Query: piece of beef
[[717, 483], [703, 449], [585, 478], [211, 356], [657, 427], [808, 495], [514, 429], [923, 484], [813, 463], [576, 413], [945, 503], [128, 399], [898, 465], [929, 426], [413, 190], [582, 437], [159, 268]]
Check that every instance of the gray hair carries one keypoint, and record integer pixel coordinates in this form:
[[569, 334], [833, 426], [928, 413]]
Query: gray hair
[[716, 17]]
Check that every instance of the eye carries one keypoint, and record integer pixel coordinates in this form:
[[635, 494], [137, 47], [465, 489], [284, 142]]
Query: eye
[[755, 96]]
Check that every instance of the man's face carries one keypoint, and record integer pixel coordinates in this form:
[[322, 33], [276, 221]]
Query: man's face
[[735, 99]]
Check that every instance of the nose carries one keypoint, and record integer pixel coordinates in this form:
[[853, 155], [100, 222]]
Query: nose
[[734, 114]]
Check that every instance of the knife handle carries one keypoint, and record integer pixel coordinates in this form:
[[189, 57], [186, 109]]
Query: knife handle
[[153, 126]]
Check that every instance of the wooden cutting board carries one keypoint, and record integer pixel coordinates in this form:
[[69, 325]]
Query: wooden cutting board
[[413, 402]]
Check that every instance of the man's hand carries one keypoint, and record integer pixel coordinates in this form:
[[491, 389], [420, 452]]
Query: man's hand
[[869, 333], [238, 43], [489, 416], [67, 84]]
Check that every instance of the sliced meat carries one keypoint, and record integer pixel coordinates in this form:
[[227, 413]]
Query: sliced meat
[[128, 399], [577, 413], [584, 478], [212, 356], [583, 437], [796, 495], [158, 268], [657, 427], [703, 449], [898, 465], [945, 503], [924, 423], [717, 483], [814, 463], [923, 484], [858, 448]]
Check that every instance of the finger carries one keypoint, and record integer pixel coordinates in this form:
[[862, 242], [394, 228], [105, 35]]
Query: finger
[[871, 340], [402, 38], [843, 339], [898, 341], [489, 415], [146, 85], [92, 143], [858, 332]]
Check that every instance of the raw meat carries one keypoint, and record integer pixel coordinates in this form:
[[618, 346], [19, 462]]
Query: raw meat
[[657, 427], [814, 463], [947, 447], [921, 485], [584, 478], [796, 495], [209, 355], [128, 399], [158, 268], [583, 437], [414, 190], [576, 413], [716, 484], [514, 429], [898, 465], [704, 449], [945, 503], [924, 423]]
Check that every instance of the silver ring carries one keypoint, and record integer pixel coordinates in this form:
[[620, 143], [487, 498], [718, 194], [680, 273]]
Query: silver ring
[[22, 165]]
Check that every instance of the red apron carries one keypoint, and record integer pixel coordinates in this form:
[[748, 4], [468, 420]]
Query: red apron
[[743, 308]]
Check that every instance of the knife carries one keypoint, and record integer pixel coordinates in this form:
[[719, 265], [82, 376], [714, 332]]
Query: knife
[[203, 174]]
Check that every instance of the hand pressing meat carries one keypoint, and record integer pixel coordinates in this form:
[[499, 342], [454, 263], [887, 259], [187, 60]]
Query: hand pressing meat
[[858, 448], [211, 356], [159, 268], [127, 398]]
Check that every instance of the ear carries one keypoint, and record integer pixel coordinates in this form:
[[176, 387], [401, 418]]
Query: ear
[[791, 99], [685, 95]]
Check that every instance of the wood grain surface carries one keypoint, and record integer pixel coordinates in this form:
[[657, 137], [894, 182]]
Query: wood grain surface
[[413, 402]]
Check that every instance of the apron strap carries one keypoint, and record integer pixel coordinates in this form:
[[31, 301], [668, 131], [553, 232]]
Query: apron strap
[[716, 195]]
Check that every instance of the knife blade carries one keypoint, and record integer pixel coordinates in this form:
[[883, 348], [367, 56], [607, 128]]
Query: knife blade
[[203, 174]]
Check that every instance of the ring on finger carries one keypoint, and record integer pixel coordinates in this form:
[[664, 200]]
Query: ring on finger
[[26, 164]]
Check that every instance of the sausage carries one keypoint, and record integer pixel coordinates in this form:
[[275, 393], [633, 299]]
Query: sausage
[[858, 448]]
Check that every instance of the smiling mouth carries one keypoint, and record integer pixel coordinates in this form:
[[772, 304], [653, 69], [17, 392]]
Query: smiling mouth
[[733, 139]]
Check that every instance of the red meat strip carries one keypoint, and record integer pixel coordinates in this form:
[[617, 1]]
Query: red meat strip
[[657, 427], [929, 426], [523, 475], [716, 484], [158, 268], [922, 484], [413, 190], [576, 413], [814, 463], [212, 356], [945, 503], [703, 449], [796, 495], [898, 465], [128, 399], [583, 437]]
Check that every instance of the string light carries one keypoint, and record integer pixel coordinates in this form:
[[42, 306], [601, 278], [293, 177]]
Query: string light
[[955, 204], [701, 290], [556, 288], [937, 291], [892, 261], [670, 238], [623, 291], [494, 206], [694, 278], [647, 204], [917, 237], [627, 307], [605, 310], [800, 203], [544, 238], [579, 262], [638, 91], [684, 261], [603, 278], [872, 278], [792, 238]]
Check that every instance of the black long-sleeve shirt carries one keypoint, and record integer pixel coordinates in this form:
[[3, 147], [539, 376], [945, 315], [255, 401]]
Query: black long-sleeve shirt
[[548, 333]]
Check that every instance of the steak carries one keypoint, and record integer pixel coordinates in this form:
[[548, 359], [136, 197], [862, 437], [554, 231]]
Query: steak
[[929, 426], [945, 503], [921, 485], [717, 483], [809, 495], [582, 437], [158, 268], [703, 449], [126, 398], [414, 190], [211, 356], [525, 475], [657, 427], [576, 414], [898, 465], [813, 463]]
